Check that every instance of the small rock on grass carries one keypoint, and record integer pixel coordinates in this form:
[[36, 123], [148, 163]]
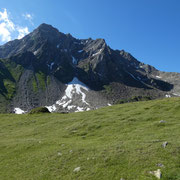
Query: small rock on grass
[[156, 173], [59, 154], [162, 121], [160, 165], [164, 144], [77, 169]]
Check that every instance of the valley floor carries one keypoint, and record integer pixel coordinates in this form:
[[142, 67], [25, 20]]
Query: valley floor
[[122, 141]]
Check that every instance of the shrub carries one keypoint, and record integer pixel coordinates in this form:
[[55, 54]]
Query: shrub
[[134, 99], [39, 110]]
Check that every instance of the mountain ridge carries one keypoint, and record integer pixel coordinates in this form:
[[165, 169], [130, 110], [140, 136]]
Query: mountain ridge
[[38, 68]]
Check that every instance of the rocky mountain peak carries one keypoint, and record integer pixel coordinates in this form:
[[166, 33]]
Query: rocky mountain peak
[[46, 27], [48, 33], [50, 68]]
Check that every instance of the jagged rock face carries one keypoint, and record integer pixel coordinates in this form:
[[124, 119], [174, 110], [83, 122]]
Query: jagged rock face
[[49, 68]]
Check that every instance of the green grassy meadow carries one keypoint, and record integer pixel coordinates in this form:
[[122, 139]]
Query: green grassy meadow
[[121, 141]]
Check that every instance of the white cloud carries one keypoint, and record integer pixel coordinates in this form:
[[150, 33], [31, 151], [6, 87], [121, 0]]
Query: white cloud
[[4, 33], [8, 28], [5, 18], [22, 32], [28, 17]]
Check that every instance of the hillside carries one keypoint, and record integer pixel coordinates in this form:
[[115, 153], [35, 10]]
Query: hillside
[[121, 141]]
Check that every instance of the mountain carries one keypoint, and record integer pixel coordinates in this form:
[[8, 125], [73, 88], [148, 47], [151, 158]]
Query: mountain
[[49, 68]]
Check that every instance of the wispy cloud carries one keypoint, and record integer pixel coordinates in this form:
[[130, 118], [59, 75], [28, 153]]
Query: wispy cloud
[[29, 17], [8, 27]]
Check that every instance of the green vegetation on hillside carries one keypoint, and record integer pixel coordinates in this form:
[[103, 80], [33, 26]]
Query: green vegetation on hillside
[[10, 73], [16, 70], [41, 77], [121, 141], [48, 80], [108, 89], [40, 80], [34, 84], [10, 87]]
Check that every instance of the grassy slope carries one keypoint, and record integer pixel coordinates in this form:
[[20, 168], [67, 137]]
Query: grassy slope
[[10, 73], [122, 141]]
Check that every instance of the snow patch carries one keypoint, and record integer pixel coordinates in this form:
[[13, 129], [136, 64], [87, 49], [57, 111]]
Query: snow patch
[[80, 51], [73, 87], [60, 102], [35, 52], [176, 94], [66, 104], [158, 77], [51, 65], [71, 107], [109, 104], [80, 109], [74, 60], [51, 108], [167, 96], [97, 52], [19, 111]]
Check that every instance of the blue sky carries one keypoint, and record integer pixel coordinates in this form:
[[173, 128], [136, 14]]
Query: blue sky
[[148, 29]]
